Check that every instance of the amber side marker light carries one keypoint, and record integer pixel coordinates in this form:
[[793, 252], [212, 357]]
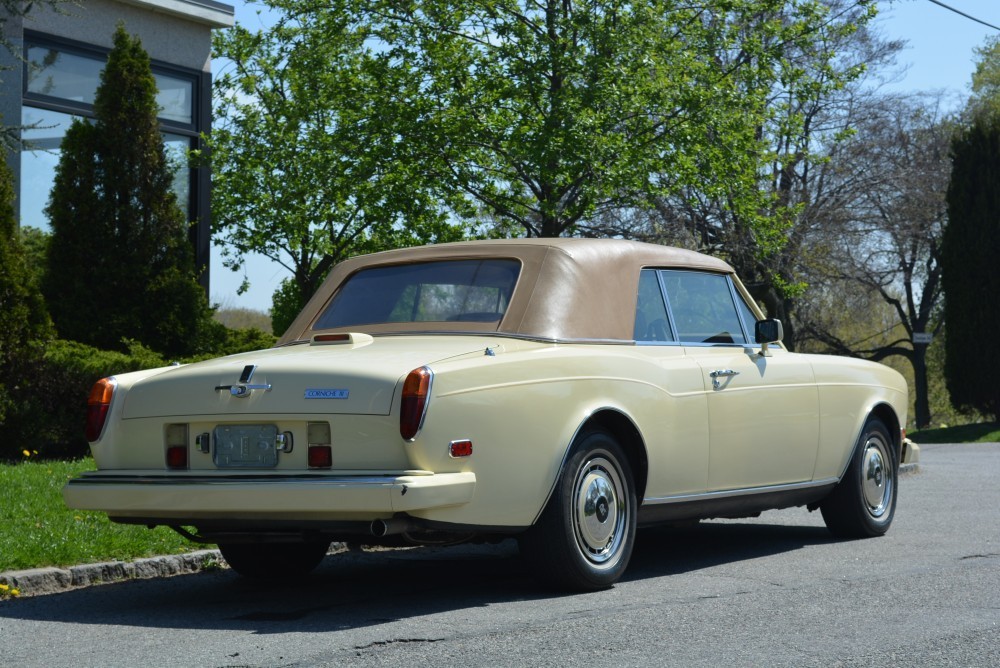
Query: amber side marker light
[[98, 404], [416, 390]]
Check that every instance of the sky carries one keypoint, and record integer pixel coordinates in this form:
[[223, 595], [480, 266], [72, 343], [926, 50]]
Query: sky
[[939, 56]]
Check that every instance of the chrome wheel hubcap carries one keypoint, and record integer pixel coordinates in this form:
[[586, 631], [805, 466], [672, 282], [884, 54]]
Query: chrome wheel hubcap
[[876, 477], [599, 511]]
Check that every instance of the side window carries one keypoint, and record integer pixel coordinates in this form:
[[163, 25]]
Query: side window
[[702, 307], [650, 311]]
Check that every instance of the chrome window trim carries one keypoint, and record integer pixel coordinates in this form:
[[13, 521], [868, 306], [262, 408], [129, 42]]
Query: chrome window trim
[[737, 297]]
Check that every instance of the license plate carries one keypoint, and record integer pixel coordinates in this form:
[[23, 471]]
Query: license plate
[[246, 446]]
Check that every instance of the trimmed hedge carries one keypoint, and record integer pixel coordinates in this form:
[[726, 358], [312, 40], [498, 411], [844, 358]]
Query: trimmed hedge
[[52, 398], [49, 405]]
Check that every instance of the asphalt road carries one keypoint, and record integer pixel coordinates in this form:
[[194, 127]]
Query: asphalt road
[[773, 591]]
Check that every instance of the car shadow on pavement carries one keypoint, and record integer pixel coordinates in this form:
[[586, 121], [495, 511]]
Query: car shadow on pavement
[[664, 551], [356, 589]]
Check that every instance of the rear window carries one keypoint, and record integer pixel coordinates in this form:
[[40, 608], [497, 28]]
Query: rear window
[[445, 291]]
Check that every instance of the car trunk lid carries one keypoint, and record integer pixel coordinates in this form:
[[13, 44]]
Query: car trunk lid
[[358, 376]]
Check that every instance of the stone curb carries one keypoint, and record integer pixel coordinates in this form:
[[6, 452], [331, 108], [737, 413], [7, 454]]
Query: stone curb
[[40, 581]]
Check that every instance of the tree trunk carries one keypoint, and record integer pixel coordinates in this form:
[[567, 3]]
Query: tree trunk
[[922, 408]]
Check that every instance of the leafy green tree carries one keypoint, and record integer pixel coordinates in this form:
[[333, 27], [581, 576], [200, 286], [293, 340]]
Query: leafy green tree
[[986, 78], [548, 114], [307, 166], [814, 72], [970, 248], [26, 325], [119, 261], [526, 117]]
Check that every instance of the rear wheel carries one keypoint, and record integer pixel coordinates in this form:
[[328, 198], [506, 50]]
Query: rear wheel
[[583, 540], [274, 560], [864, 502]]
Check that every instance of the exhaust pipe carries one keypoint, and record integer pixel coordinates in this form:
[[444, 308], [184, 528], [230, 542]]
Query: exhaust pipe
[[391, 526]]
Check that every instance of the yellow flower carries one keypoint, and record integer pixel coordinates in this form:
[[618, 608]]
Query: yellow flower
[[4, 588], [26, 453], [15, 592]]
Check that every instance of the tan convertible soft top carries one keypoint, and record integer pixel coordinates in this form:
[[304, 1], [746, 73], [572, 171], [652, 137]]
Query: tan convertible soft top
[[568, 289]]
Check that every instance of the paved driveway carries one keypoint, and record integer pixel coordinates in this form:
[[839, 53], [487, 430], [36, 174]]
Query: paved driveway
[[772, 591]]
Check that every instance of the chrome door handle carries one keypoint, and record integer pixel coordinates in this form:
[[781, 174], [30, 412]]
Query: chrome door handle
[[721, 373]]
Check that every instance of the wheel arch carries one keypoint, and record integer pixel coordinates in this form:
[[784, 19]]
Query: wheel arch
[[887, 415], [629, 438]]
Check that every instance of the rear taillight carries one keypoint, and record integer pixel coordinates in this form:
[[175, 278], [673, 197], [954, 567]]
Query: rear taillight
[[319, 451], [177, 457], [416, 391], [98, 405], [176, 437]]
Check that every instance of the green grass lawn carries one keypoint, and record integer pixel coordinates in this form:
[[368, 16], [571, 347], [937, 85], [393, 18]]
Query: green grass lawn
[[37, 529]]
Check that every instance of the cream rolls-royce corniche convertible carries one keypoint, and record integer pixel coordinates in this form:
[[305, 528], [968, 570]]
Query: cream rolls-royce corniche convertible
[[560, 391]]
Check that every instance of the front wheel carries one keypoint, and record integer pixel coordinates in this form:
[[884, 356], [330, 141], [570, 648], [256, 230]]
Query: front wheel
[[863, 503], [583, 540], [274, 560]]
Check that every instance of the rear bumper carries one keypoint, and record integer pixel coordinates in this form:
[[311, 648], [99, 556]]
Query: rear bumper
[[270, 497]]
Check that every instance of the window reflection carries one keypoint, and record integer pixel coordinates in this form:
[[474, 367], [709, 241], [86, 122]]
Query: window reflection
[[175, 98], [64, 75], [69, 79], [177, 147], [75, 77], [43, 133]]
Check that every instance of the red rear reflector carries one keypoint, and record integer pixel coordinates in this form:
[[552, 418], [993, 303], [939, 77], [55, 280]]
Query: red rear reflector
[[177, 457], [461, 448], [320, 456], [416, 389], [98, 404]]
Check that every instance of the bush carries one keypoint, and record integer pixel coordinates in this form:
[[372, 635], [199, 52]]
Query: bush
[[238, 341], [286, 304], [246, 340], [50, 416]]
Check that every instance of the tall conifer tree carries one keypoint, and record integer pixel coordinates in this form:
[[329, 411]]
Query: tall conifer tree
[[120, 264], [970, 274]]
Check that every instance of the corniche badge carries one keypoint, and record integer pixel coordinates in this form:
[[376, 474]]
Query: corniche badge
[[244, 388], [319, 393]]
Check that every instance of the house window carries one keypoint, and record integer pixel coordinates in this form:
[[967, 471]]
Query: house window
[[61, 80]]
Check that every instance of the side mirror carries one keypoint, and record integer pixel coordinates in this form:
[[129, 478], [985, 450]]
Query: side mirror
[[768, 331]]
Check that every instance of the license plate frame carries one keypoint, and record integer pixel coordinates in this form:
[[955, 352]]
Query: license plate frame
[[245, 446]]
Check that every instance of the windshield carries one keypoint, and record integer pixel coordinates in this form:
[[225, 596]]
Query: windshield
[[447, 291]]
